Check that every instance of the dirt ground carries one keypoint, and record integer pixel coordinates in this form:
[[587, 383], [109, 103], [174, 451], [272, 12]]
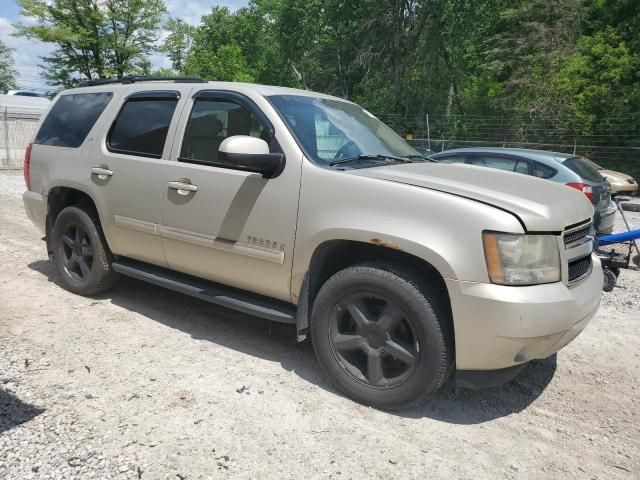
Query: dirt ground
[[146, 383]]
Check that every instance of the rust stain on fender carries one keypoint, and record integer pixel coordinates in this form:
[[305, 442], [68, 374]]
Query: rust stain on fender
[[386, 243]]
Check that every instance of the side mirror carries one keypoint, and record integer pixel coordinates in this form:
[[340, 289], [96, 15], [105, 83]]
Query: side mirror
[[250, 154]]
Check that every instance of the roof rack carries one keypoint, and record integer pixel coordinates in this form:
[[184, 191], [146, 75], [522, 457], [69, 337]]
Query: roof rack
[[140, 78]]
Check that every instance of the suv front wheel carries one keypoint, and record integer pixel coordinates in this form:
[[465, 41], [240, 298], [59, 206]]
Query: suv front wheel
[[380, 335], [80, 252]]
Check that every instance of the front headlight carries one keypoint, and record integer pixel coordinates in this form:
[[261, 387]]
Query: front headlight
[[514, 259]]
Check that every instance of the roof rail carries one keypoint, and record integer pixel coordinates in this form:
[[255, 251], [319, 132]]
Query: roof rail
[[140, 78]]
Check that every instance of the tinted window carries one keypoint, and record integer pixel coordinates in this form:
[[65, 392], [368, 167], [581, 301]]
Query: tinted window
[[450, 159], [500, 163], [71, 119], [142, 125], [543, 171], [522, 167], [212, 121], [583, 167]]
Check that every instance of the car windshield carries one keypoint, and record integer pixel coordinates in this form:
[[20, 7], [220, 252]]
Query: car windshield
[[333, 130]]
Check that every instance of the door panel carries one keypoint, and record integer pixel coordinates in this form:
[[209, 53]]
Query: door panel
[[127, 176], [231, 226]]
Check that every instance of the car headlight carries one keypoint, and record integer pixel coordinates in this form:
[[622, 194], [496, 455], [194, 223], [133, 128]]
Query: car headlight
[[515, 259]]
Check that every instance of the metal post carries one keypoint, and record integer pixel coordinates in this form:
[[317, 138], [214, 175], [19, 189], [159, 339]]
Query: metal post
[[428, 134], [7, 161]]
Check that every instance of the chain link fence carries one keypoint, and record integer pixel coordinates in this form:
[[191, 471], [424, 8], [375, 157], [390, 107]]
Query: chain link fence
[[612, 141], [16, 131]]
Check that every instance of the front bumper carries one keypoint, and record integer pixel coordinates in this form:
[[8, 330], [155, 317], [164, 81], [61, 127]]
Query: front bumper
[[624, 188], [497, 326]]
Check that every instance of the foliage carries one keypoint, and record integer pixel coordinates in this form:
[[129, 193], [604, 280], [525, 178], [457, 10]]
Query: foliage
[[93, 39], [178, 42], [7, 73]]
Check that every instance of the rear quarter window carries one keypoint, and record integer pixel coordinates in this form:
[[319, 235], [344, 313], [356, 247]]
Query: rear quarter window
[[71, 119], [583, 167]]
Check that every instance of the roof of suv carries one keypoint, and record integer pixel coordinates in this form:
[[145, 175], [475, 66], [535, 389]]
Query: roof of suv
[[539, 155], [264, 90]]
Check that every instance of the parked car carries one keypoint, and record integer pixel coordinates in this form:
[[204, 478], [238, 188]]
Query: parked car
[[25, 93], [572, 170], [401, 270], [424, 151], [619, 182]]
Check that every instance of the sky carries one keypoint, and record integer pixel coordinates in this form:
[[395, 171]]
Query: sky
[[27, 52]]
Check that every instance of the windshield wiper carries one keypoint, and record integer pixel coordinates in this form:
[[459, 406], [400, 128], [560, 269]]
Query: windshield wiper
[[369, 157]]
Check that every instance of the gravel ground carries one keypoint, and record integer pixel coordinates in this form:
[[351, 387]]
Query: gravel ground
[[143, 383]]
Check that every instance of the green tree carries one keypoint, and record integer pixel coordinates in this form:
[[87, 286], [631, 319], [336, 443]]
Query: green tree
[[178, 43], [7, 72], [238, 46], [93, 39]]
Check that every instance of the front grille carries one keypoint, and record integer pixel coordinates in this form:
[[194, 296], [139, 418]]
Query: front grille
[[576, 236], [579, 268]]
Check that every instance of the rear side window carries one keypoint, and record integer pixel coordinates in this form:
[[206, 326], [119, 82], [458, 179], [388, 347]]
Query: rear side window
[[142, 124], [584, 168], [450, 159], [500, 163], [543, 171], [71, 119]]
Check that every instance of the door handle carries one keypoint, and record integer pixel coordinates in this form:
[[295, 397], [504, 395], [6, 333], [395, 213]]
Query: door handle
[[102, 173], [183, 188]]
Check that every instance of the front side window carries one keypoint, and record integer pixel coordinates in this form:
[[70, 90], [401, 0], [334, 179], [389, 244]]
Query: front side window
[[71, 119], [211, 121], [142, 125], [329, 130]]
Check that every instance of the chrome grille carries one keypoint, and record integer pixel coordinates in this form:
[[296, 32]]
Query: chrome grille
[[576, 235], [579, 268]]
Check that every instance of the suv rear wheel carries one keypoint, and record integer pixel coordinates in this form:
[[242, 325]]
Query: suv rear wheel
[[380, 336], [80, 252]]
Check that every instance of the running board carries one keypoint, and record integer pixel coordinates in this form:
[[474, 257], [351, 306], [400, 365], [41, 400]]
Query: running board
[[222, 295]]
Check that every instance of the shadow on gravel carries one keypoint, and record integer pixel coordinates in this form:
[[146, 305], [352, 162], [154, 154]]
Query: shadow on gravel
[[277, 342], [14, 412], [465, 406]]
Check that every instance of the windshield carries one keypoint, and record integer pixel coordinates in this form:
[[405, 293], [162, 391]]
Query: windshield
[[331, 130]]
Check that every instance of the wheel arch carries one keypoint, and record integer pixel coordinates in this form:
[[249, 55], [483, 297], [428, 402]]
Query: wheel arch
[[60, 197], [334, 255]]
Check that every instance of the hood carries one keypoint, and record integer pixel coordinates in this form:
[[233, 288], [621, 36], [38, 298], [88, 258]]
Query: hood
[[615, 177], [541, 205]]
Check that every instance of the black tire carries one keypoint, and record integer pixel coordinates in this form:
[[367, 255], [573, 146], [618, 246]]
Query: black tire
[[415, 354], [609, 280], [80, 252]]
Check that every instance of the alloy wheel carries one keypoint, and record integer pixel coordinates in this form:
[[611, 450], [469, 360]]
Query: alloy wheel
[[76, 252], [373, 339]]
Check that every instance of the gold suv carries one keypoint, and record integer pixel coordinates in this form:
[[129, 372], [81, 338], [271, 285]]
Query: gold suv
[[305, 208]]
